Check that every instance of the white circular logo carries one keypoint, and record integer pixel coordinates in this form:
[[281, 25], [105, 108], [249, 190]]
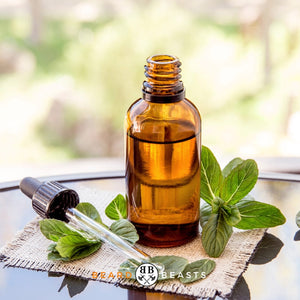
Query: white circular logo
[[146, 274]]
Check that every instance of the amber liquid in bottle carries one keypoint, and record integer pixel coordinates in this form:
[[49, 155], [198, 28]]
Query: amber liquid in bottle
[[163, 158]]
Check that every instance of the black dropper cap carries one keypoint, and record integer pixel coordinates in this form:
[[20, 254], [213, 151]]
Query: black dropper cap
[[49, 199]]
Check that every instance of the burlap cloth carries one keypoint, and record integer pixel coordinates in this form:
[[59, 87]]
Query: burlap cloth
[[29, 250]]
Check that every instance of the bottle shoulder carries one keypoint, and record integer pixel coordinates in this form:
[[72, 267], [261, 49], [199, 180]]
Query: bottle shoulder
[[164, 111], [193, 107], [160, 121], [136, 108]]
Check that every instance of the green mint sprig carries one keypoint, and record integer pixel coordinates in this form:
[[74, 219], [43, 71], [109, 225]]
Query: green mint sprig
[[228, 203], [71, 243]]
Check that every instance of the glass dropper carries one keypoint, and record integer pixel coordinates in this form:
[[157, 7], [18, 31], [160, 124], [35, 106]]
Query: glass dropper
[[100, 232], [52, 200]]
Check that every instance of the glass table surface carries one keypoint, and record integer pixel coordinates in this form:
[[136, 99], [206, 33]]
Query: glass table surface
[[273, 272]]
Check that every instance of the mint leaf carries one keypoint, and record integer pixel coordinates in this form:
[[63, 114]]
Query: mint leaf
[[215, 235], [54, 229], [52, 247], [197, 270], [129, 266], [89, 210], [76, 246], [205, 212], [239, 182], [231, 165], [256, 214], [54, 255], [80, 252], [231, 214], [211, 175], [173, 265], [87, 250], [117, 208], [298, 219], [125, 230]]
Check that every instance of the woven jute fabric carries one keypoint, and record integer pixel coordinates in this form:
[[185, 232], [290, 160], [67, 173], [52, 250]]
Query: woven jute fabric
[[29, 250]]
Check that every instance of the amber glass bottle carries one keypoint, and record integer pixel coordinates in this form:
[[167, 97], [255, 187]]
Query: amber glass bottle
[[163, 140]]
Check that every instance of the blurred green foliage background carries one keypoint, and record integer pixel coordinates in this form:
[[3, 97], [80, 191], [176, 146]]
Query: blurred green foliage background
[[70, 69]]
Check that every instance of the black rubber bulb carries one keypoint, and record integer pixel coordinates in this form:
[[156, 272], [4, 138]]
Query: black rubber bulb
[[29, 186]]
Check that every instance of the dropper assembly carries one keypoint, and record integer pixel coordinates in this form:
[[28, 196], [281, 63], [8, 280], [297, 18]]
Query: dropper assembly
[[53, 200]]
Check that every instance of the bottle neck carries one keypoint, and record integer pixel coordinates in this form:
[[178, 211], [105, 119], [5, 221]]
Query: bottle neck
[[163, 82]]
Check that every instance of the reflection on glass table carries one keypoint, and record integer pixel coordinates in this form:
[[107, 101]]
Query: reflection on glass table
[[273, 272]]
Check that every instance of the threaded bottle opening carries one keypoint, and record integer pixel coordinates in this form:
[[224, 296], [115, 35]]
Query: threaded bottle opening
[[163, 59], [163, 76]]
